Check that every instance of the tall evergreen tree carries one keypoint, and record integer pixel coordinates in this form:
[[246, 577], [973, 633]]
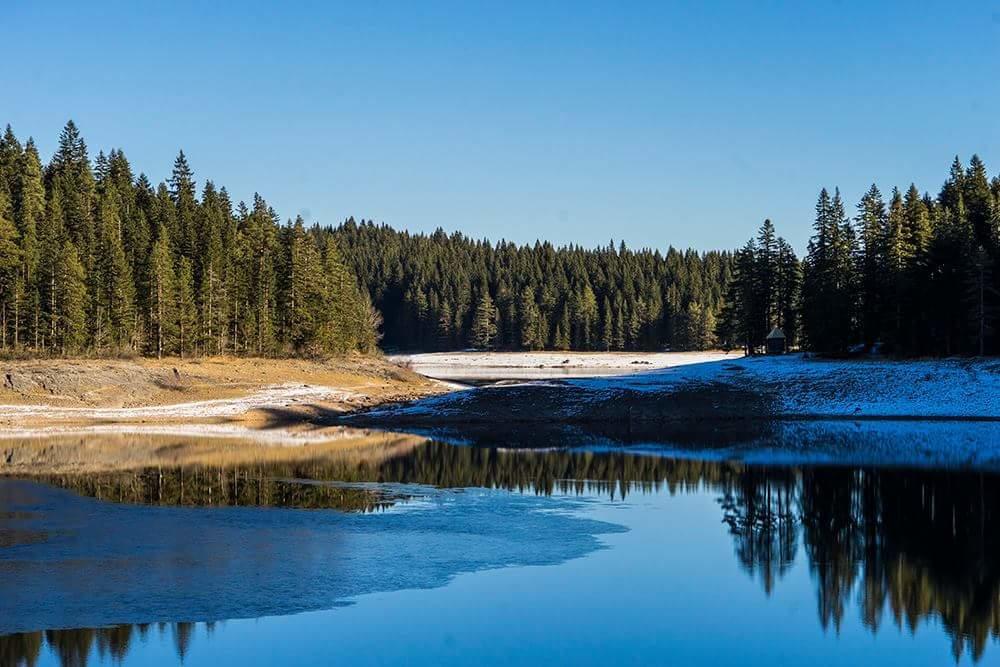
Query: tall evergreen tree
[[162, 291], [10, 261], [872, 235], [484, 326]]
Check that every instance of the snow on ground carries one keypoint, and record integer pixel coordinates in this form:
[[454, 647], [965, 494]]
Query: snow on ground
[[862, 387], [479, 366], [276, 396], [795, 385]]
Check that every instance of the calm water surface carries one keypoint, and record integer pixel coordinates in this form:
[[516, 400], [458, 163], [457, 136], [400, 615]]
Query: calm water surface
[[449, 555]]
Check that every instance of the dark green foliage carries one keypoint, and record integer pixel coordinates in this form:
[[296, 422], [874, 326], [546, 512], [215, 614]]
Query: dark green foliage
[[484, 324], [540, 296], [829, 287], [922, 281], [96, 260], [762, 294]]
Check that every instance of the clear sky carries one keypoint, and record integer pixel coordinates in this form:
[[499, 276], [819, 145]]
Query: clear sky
[[660, 123]]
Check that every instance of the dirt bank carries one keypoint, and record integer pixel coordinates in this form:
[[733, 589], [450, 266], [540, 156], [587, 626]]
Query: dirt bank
[[57, 394]]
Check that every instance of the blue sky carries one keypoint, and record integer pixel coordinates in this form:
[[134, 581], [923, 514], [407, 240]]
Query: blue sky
[[660, 123]]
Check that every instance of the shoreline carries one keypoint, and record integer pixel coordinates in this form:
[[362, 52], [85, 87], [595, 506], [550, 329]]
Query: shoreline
[[295, 402], [717, 388], [282, 401]]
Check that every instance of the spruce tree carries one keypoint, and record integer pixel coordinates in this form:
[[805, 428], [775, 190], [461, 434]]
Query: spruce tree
[[871, 223], [114, 289], [163, 325], [30, 218], [10, 260], [484, 327], [71, 328], [185, 308]]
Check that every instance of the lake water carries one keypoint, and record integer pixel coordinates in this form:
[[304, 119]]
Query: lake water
[[436, 554]]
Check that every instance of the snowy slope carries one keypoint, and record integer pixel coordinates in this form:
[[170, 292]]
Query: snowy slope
[[806, 387], [730, 386], [472, 366]]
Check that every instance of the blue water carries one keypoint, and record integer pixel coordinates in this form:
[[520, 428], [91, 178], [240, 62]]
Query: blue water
[[711, 564]]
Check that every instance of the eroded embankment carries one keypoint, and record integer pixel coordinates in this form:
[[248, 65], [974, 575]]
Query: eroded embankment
[[264, 399]]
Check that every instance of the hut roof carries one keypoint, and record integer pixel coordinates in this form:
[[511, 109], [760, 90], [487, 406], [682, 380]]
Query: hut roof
[[775, 333]]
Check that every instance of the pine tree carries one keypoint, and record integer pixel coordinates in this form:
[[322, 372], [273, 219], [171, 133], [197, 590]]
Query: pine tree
[[871, 223], [30, 218], [767, 277], [211, 267], [10, 260], [607, 326], [186, 312], [52, 238], [444, 332], [10, 156], [978, 200], [981, 295], [484, 327], [618, 327], [304, 300], [829, 279], [70, 174], [72, 301], [529, 321], [182, 194], [163, 325], [114, 287]]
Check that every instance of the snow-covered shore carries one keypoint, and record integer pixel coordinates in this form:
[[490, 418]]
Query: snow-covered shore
[[707, 385], [800, 386], [478, 366]]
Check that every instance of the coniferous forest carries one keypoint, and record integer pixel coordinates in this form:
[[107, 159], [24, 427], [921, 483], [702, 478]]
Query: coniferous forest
[[97, 260], [911, 276], [448, 291]]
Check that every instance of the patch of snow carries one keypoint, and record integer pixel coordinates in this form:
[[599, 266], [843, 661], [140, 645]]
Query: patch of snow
[[276, 396], [862, 388], [799, 386], [480, 366]]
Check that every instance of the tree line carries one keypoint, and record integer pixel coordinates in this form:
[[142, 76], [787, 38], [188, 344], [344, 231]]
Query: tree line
[[446, 291], [96, 260], [911, 276]]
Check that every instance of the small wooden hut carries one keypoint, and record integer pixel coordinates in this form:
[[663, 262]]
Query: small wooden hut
[[775, 343]]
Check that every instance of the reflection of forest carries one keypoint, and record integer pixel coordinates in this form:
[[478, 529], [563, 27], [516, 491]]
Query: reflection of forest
[[909, 546], [74, 647], [221, 487]]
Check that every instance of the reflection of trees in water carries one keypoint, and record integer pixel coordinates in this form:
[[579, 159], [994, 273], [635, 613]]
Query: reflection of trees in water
[[206, 486], [909, 545], [913, 545], [74, 647], [293, 484], [760, 508]]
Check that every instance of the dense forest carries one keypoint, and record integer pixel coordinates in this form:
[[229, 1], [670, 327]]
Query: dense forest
[[443, 292], [912, 276], [96, 260]]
